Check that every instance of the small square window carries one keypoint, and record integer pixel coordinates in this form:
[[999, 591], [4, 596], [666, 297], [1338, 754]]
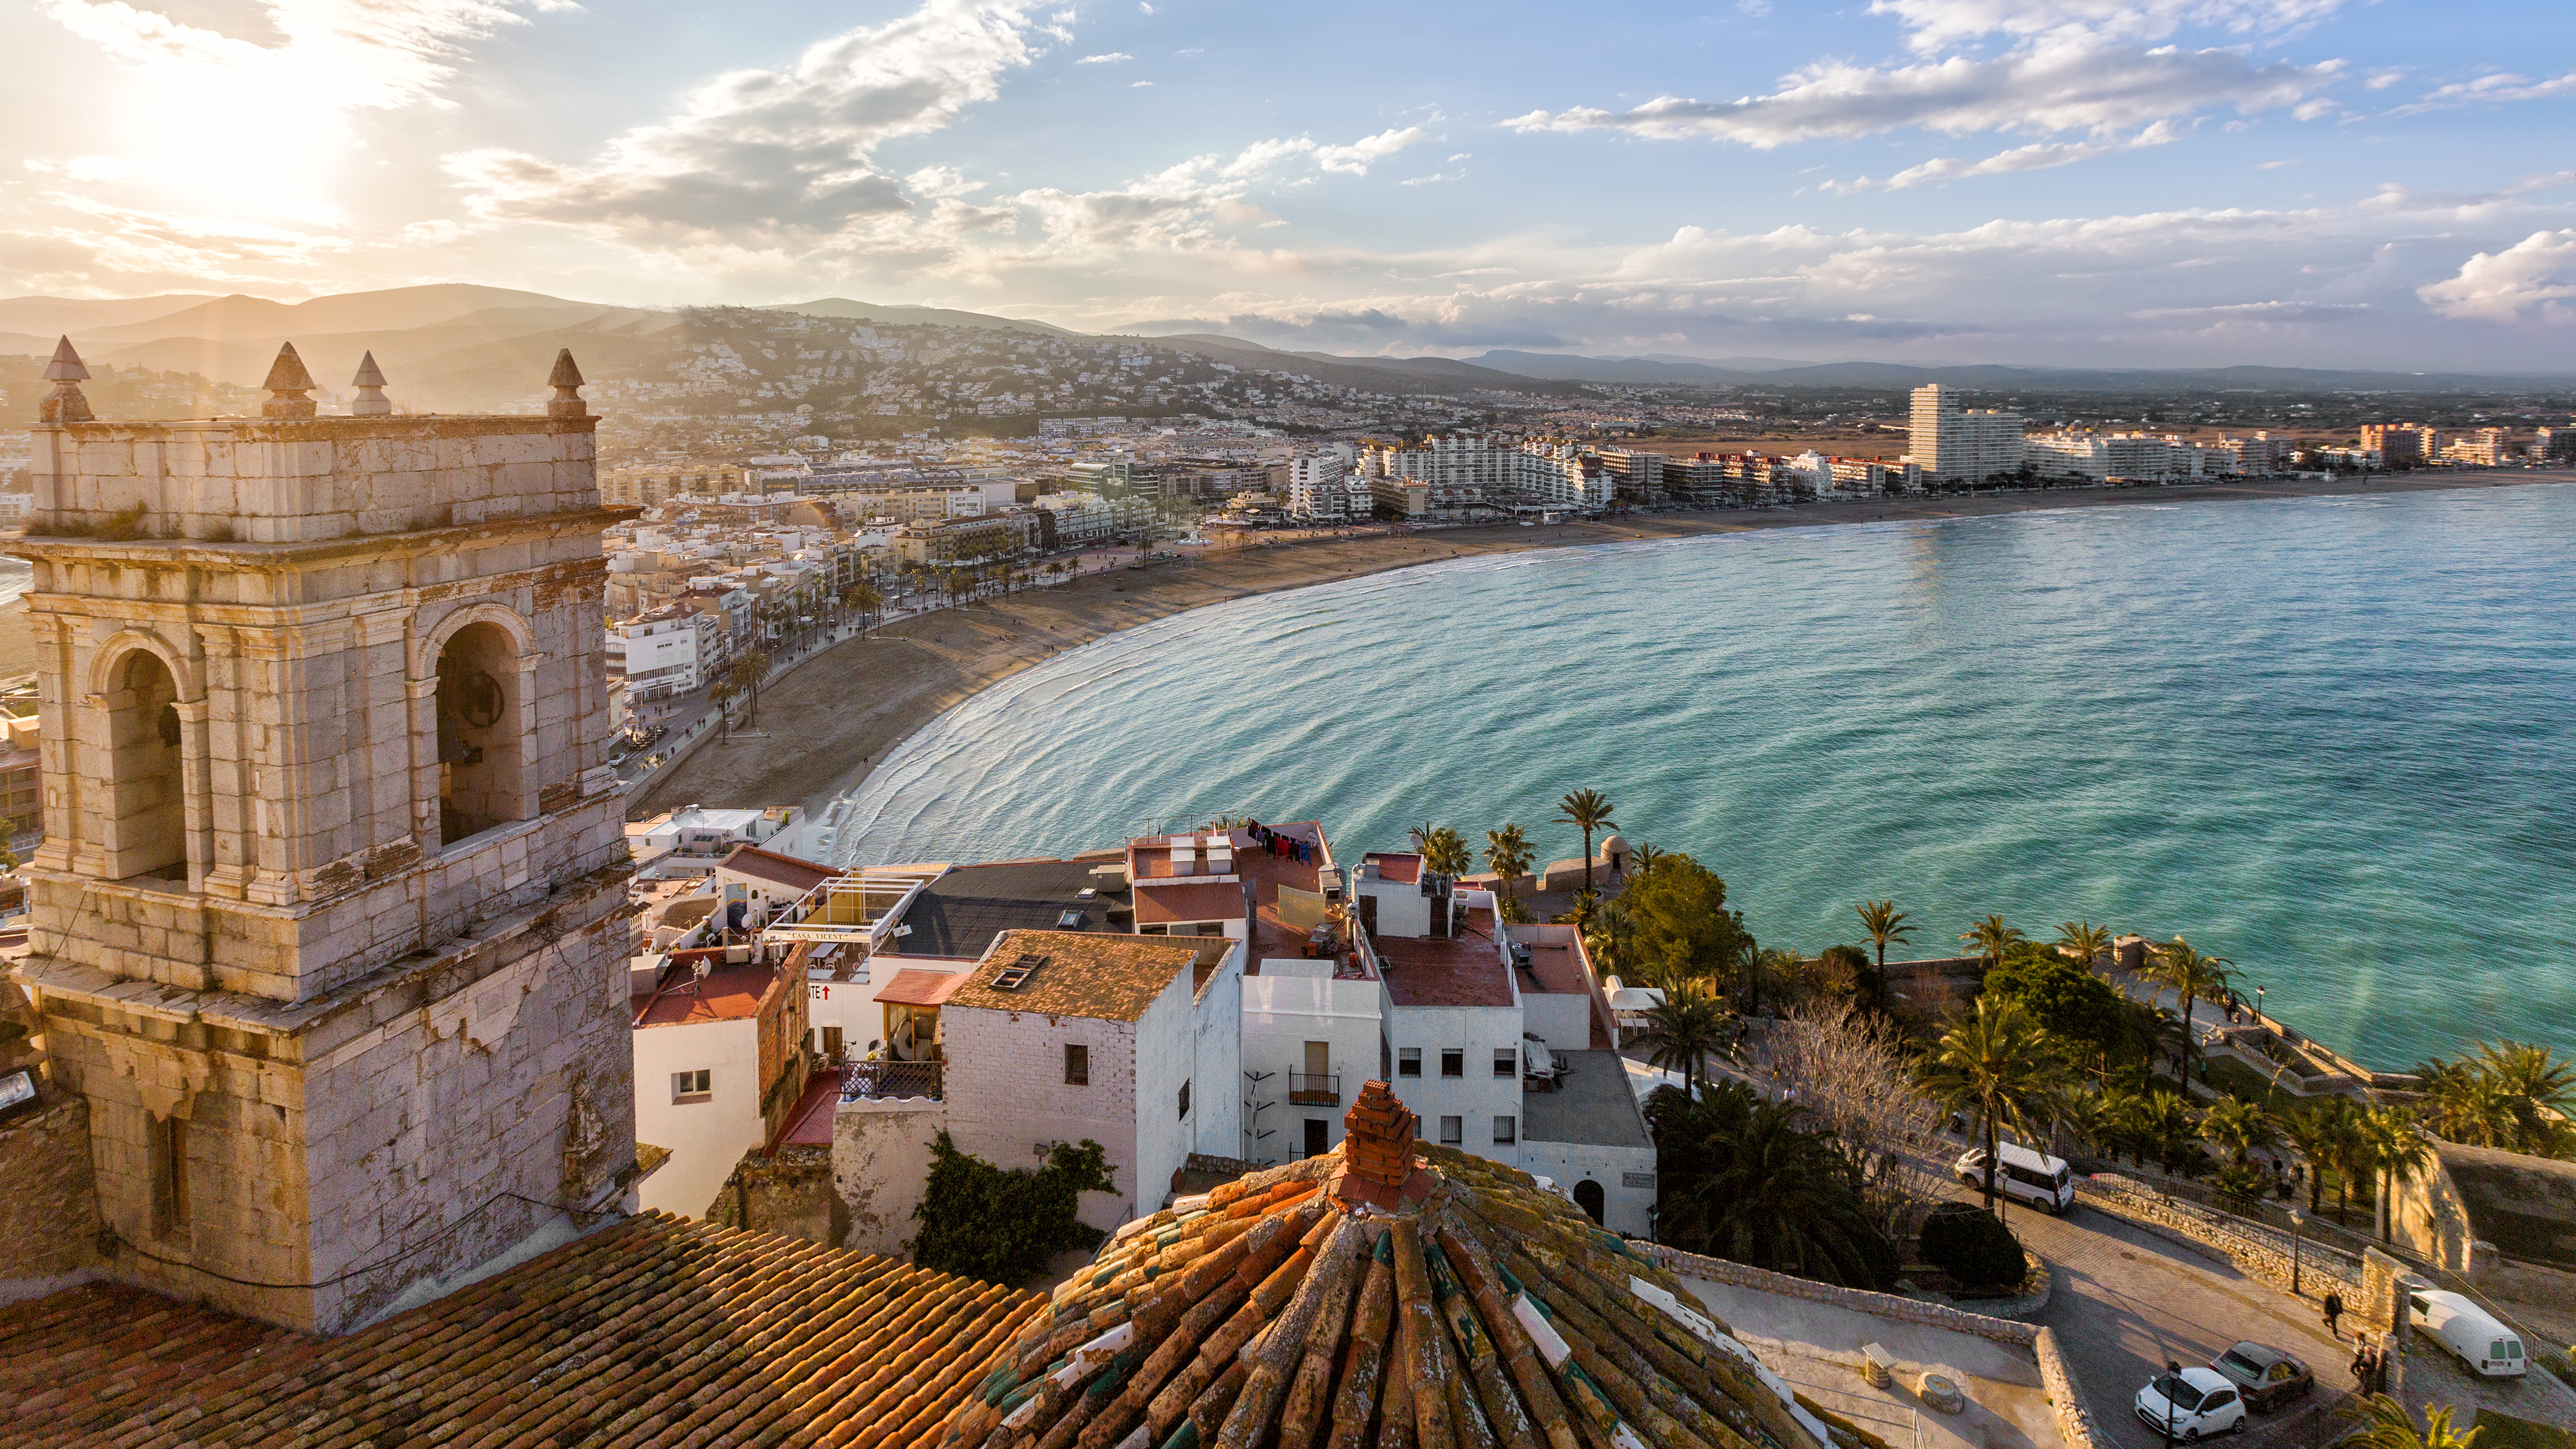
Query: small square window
[[1507, 1061], [1453, 1062], [694, 1086], [1408, 1061], [1185, 1101], [1077, 1066], [1506, 1130], [1453, 1130]]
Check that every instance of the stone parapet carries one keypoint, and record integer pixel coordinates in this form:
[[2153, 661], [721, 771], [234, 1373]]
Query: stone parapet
[[2258, 1252], [309, 479]]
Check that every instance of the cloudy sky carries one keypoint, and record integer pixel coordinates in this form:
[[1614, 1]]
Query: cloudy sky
[[2076, 181]]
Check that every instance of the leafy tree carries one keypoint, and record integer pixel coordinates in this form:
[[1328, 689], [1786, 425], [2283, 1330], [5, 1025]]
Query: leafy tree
[[1885, 925], [1003, 1224], [1738, 1180], [1842, 972], [1684, 1031], [1587, 811], [1974, 1248], [2385, 1424], [2001, 1069], [1683, 929], [2078, 1008], [1610, 935]]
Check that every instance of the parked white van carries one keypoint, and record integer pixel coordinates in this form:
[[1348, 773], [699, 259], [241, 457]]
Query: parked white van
[[2043, 1182], [2468, 1331]]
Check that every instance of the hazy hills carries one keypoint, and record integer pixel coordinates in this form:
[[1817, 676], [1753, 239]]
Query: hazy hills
[[459, 347]]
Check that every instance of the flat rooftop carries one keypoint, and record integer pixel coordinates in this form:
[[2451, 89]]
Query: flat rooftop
[[1592, 1105], [1462, 970], [728, 993], [959, 914]]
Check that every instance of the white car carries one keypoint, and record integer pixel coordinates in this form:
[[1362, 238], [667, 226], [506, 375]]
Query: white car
[[2192, 1405], [2042, 1182], [2468, 1331]]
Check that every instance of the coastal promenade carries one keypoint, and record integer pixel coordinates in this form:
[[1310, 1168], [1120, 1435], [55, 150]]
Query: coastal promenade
[[852, 703]]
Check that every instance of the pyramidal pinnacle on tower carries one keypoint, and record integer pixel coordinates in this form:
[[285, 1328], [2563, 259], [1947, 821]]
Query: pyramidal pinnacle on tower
[[370, 383], [287, 385], [65, 404], [566, 381]]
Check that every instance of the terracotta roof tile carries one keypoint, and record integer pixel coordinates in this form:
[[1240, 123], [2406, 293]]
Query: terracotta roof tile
[[1086, 973], [657, 1331]]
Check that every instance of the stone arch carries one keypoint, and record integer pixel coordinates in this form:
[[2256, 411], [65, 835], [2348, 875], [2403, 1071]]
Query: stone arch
[[433, 640], [479, 702], [1588, 1195], [110, 656], [144, 828]]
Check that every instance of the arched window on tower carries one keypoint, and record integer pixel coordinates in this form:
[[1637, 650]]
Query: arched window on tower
[[479, 765], [148, 832]]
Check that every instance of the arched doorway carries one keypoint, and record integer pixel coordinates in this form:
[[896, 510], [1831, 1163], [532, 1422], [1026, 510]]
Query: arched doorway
[[1589, 1197], [479, 765], [148, 834]]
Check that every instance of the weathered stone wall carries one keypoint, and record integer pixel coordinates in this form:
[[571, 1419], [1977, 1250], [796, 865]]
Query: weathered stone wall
[[880, 1166], [2258, 1252], [790, 1193], [48, 1212]]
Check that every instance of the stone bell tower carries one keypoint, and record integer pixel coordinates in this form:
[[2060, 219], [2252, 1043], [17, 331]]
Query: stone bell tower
[[328, 924]]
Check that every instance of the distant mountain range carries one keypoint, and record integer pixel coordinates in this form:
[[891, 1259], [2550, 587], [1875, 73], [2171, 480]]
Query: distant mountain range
[[1668, 371], [458, 346]]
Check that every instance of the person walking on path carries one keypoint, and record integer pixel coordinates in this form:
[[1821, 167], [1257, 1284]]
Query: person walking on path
[[2334, 1310]]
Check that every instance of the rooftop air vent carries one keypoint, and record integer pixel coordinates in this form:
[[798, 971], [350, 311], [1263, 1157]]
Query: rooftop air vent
[[1087, 893], [1017, 974]]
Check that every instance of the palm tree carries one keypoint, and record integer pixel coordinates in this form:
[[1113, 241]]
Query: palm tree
[[2239, 1127], [2468, 1105], [1586, 905], [1445, 853], [2385, 1424], [1742, 1182], [1609, 935], [1587, 811], [2318, 1130], [2538, 1084], [720, 694], [860, 598], [1998, 1066], [1681, 1033], [2394, 1151], [1507, 855], [2191, 975], [1883, 923], [2086, 940], [2166, 1130], [1992, 938], [1641, 861]]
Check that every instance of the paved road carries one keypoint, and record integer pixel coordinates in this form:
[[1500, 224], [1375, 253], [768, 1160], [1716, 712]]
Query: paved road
[[2127, 1301]]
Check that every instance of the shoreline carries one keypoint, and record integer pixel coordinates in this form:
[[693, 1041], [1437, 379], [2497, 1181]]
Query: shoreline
[[854, 703]]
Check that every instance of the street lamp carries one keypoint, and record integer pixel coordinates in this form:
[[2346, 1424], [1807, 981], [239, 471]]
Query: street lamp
[[2298, 1227], [2258, 1002]]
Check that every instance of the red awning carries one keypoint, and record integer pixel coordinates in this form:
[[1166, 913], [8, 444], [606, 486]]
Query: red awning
[[921, 988]]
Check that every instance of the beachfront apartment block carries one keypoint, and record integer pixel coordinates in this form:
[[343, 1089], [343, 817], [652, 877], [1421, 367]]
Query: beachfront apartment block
[[666, 652], [1961, 445]]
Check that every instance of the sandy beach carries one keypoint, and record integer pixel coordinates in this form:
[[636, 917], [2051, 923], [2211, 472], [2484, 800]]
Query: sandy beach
[[831, 720]]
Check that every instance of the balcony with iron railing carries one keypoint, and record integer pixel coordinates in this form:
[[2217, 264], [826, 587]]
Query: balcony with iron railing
[[885, 1081], [1314, 1089]]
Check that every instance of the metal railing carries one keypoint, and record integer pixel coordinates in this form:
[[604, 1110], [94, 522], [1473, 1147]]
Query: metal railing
[[1315, 1089], [890, 1080]]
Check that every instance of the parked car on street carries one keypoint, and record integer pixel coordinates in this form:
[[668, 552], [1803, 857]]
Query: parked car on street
[[2266, 1377], [2468, 1331], [2042, 1182], [2192, 1405]]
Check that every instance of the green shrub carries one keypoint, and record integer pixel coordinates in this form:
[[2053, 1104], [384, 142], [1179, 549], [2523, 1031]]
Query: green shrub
[[1972, 1246], [1002, 1224]]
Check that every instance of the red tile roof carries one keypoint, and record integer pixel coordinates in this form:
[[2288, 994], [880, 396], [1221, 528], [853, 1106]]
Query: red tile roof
[[655, 1332], [1203, 901]]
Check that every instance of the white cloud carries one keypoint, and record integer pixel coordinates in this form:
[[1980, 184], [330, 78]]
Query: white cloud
[[1355, 158], [1936, 25], [1138, 85], [2502, 88], [2533, 278], [755, 153], [2058, 85], [336, 54], [1144, 7], [2037, 156], [1111, 58]]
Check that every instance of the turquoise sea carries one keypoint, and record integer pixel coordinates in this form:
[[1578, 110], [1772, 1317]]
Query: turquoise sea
[[2333, 739]]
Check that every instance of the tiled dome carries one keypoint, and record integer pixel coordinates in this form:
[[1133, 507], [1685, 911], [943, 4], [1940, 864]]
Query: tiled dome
[[1385, 1295]]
